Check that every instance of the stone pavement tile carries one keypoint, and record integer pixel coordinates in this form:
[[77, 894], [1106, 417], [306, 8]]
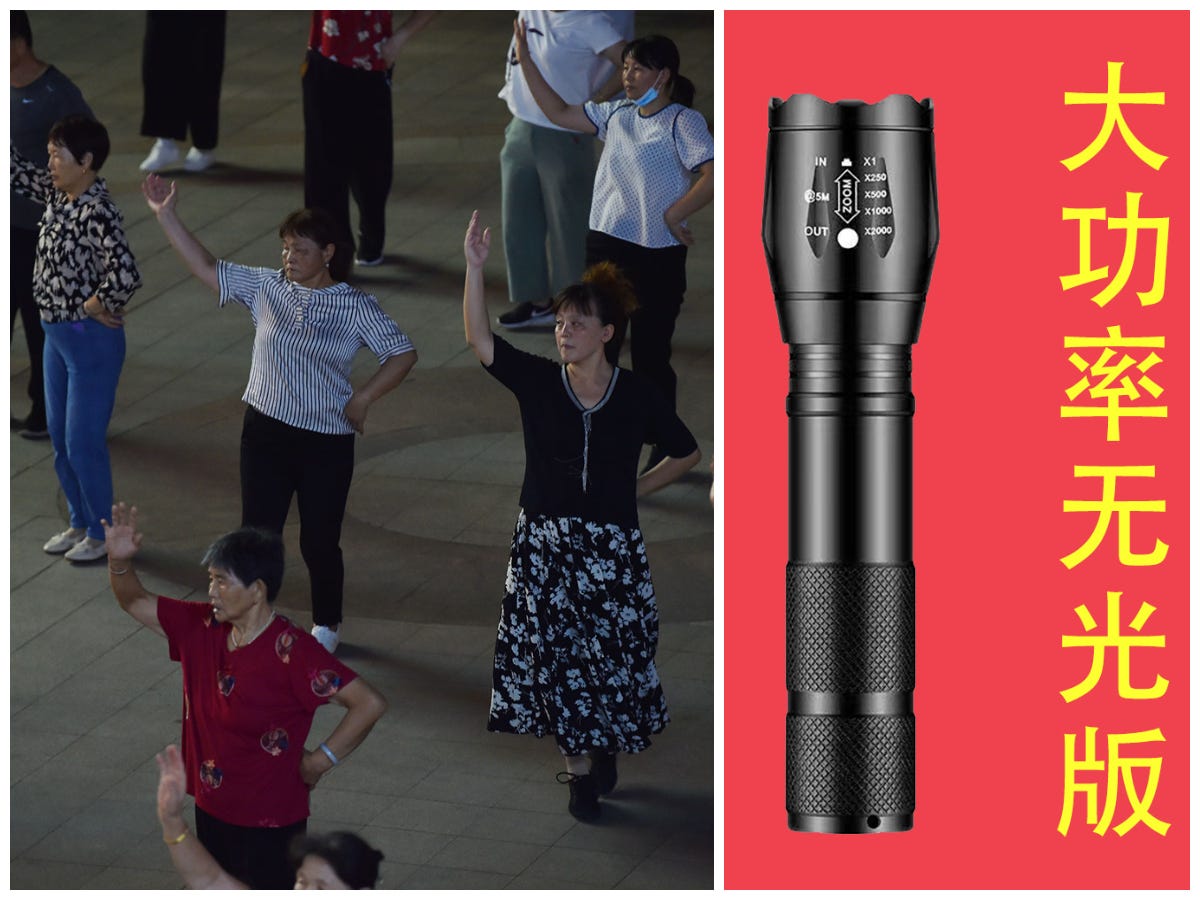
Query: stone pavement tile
[[487, 855], [352, 807], [78, 704], [658, 871], [33, 749], [401, 845], [527, 882], [59, 794], [392, 874], [30, 873], [149, 853], [694, 844], [591, 867], [115, 878], [97, 834], [524, 826], [453, 785], [438, 878], [435, 816]]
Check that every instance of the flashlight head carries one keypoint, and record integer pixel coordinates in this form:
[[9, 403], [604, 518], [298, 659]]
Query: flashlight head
[[850, 222]]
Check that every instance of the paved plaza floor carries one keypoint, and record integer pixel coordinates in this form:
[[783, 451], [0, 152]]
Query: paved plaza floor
[[93, 696]]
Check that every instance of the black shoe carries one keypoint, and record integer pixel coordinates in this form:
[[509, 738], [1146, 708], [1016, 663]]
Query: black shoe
[[15, 424], [527, 315], [29, 428], [604, 770], [585, 799]]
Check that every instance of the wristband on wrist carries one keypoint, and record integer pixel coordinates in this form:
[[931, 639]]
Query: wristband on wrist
[[178, 840], [325, 749], [113, 571]]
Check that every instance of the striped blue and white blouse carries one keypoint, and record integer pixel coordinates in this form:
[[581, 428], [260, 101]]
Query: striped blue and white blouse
[[304, 342]]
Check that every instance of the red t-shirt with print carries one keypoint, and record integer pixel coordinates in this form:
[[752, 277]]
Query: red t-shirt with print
[[352, 38], [247, 713]]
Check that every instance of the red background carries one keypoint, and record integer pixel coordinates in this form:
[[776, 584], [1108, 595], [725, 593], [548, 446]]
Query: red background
[[993, 458]]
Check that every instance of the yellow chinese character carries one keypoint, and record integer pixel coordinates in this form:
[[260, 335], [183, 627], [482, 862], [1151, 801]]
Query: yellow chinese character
[[1113, 116], [1131, 224], [1140, 803], [1106, 506], [1115, 379], [1123, 643]]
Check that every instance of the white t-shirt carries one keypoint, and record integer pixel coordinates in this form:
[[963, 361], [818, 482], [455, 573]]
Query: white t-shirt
[[647, 164], [566, 47]]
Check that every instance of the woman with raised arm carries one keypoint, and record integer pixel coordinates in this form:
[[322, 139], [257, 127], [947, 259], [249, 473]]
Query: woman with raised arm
[[579, 623], [656, 170], [329, 862], [83, 277], [302, 410]]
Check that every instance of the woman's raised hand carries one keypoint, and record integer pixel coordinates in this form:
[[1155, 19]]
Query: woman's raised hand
[[477, 242], [160, 194], [121, 535]]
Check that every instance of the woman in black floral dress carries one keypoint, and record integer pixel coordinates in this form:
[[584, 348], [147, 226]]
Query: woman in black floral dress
[[579, 624]]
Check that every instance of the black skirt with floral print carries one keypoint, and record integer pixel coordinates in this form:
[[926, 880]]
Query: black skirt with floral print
[[577, 636]]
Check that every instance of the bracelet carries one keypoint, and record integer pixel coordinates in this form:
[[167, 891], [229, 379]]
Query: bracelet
[[113, 571], [325, 749], [178, 840]]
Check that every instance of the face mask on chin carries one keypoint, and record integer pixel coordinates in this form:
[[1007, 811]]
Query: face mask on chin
[[649, 97]]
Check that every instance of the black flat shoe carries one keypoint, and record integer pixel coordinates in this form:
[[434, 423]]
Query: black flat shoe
[[604, 770], [585, 799]]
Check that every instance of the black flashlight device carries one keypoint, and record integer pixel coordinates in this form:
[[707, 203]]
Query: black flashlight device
[[850, 228]]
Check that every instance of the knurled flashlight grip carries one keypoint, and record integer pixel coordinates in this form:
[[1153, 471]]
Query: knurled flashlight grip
[[850, 230]]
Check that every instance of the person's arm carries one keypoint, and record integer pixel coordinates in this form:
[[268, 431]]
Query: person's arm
[[401, 36], [387, 377], [121, 275], [364, 705], [30, 181], [667, 471], [612, 87], [162, 199], [698, 196], [123, 541], [475, 314], [191, 859], [557, 110]]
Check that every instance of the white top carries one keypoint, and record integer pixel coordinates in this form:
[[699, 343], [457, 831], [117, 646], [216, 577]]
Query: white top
[[647, 164], [304, 342], [566, 47]]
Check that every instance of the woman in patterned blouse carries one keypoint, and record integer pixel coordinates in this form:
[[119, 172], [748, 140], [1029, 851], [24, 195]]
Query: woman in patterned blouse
[[83, 278]]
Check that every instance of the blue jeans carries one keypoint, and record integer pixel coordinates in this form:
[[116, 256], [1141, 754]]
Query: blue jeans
[[81, 365]]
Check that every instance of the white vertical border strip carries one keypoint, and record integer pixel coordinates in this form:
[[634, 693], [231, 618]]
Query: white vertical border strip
[[718, 490]]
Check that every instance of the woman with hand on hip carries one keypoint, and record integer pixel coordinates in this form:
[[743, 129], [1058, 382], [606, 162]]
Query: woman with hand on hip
[[656, 170], [83, 277], [302, 410], [579, 623]]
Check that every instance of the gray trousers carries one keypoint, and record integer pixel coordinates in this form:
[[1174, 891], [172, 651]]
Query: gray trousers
[[546, 180]]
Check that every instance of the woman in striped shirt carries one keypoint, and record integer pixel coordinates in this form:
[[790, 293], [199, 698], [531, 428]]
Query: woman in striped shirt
[[302, 411]]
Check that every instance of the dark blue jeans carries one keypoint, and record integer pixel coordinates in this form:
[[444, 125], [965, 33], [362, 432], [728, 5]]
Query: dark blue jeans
[[81, 366]]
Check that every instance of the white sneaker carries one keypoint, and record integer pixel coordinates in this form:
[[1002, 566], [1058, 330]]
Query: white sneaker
[[87, 550], [64, 541], [327, 637], [198, 160], [164, 154]]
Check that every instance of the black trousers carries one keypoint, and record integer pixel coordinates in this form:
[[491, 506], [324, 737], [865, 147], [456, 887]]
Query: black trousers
[[659, 277], [256, 856], [348, 146], [183, 57], [278, 461], [23, 252]]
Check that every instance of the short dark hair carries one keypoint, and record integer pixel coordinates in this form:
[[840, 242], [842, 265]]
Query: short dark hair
[[323, 229], [81, 135], [354, 860], [250, 554], [608, 295], [19, 27]]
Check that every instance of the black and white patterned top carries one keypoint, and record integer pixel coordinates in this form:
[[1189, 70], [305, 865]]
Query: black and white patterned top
[[647, 164], [81, 247], [304, 343]]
